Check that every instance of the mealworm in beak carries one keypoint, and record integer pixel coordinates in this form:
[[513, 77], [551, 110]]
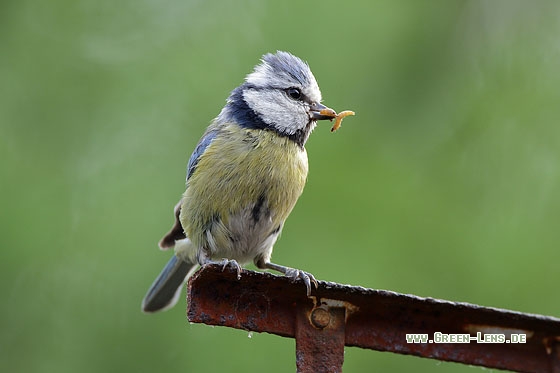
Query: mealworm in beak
[[339, 117]]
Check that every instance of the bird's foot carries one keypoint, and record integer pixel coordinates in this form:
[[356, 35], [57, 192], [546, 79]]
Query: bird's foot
[[224, 263], [308, 279], [204, 260], [295, 274]]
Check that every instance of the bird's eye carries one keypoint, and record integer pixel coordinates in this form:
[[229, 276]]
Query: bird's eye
[[294, 93]]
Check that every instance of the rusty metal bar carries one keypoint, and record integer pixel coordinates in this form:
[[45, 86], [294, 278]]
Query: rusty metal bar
[[320, 339], [373, 319]]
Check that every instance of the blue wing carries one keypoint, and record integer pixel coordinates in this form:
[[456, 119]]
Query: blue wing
[[199, 150], [176, 232]]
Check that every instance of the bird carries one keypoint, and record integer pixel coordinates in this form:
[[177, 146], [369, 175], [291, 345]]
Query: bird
[[244, 178]]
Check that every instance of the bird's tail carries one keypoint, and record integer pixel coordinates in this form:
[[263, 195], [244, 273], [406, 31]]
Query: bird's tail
[[165, 291]]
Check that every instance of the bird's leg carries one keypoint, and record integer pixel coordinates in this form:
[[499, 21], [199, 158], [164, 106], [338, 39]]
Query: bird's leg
[[204, 259], [291, 273]]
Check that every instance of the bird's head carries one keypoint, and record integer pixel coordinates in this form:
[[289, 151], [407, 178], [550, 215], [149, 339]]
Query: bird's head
[[281, 95]]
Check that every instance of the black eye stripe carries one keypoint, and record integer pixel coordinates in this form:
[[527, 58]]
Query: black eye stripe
[[294, 93]]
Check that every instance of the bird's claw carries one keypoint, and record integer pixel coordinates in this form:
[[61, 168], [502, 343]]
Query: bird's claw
[[307, 278], [233, 264]]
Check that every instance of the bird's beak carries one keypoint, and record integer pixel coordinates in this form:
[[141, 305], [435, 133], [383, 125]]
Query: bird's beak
[[318, 111]]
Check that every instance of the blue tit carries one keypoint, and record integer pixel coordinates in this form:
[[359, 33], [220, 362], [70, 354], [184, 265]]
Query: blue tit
[[244, 177]]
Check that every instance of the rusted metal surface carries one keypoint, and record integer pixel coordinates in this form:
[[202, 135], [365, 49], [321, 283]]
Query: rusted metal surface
[[553, 349], [320, 339], [374, 319]]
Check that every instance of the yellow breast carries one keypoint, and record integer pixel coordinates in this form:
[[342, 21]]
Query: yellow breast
[[240, 168]]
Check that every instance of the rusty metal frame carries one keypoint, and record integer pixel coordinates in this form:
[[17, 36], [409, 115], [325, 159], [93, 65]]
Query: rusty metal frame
[[340, 315]]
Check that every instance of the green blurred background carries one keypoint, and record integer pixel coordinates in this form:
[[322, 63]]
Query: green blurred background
[[445, 184]]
